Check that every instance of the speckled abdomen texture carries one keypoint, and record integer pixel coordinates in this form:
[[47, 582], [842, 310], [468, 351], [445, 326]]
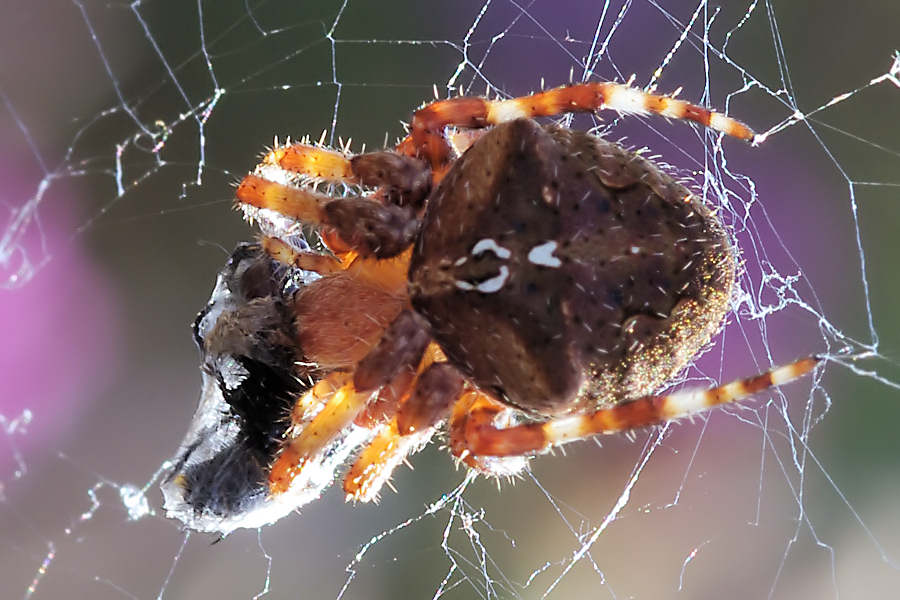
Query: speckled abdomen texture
[[560, 271]]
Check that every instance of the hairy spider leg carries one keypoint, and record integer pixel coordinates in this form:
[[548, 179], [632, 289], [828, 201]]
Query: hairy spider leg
[[381, 222], [377, 461], [341, 318], [299, 204], [315, 162], [341, 407], [367, 227], [400, 178], [402, 347], [478, 403], [427, 135], [483, 438], [374, 465]]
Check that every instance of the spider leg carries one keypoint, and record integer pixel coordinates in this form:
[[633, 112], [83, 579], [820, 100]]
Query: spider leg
[[334, 417], [368, 227], [313, 162], [400, 348], [381, 223], [373, 468], [473, 403], [402, 179], [434, 392], [427, 136], [483, 438], [306, 260], [416, 403], [422, 405]]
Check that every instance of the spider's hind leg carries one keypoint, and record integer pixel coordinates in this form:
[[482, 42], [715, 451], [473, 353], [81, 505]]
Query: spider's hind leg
[[483, 438], [362, 224], [401, 179]]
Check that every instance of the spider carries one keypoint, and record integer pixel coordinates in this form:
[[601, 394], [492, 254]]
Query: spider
[[525, 284]]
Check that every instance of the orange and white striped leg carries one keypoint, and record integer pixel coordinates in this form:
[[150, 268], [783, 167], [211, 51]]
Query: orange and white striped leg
[[483, 438], [314, 162], [428, 122], [297, 203]]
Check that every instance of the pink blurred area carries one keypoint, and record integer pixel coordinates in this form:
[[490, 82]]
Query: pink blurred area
[[98, 346], [59, 323]]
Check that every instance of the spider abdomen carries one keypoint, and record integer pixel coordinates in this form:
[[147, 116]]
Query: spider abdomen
[[560, 271]]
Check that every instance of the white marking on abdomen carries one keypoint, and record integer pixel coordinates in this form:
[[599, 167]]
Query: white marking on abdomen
[[494, 283], [542, 255], [489, 244]]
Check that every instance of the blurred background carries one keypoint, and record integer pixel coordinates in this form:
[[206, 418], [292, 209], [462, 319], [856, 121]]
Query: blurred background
[[123, 127]]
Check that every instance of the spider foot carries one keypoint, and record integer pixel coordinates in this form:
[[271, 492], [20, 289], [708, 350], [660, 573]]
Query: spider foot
[[375, 464], [324, 428]]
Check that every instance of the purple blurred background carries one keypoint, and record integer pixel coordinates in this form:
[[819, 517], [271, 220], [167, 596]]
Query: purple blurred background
[[99, 350]]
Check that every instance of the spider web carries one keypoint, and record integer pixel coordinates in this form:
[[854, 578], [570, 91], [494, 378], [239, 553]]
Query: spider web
[[124, 126]]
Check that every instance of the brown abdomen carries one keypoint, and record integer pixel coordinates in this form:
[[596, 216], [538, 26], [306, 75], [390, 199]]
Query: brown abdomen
[[560, 271]]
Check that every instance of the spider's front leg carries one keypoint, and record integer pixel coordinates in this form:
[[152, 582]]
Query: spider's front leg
[[381, 225], [365, 226]]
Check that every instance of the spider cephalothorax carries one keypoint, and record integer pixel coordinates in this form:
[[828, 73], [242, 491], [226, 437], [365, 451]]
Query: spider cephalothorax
[[529, 285]]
